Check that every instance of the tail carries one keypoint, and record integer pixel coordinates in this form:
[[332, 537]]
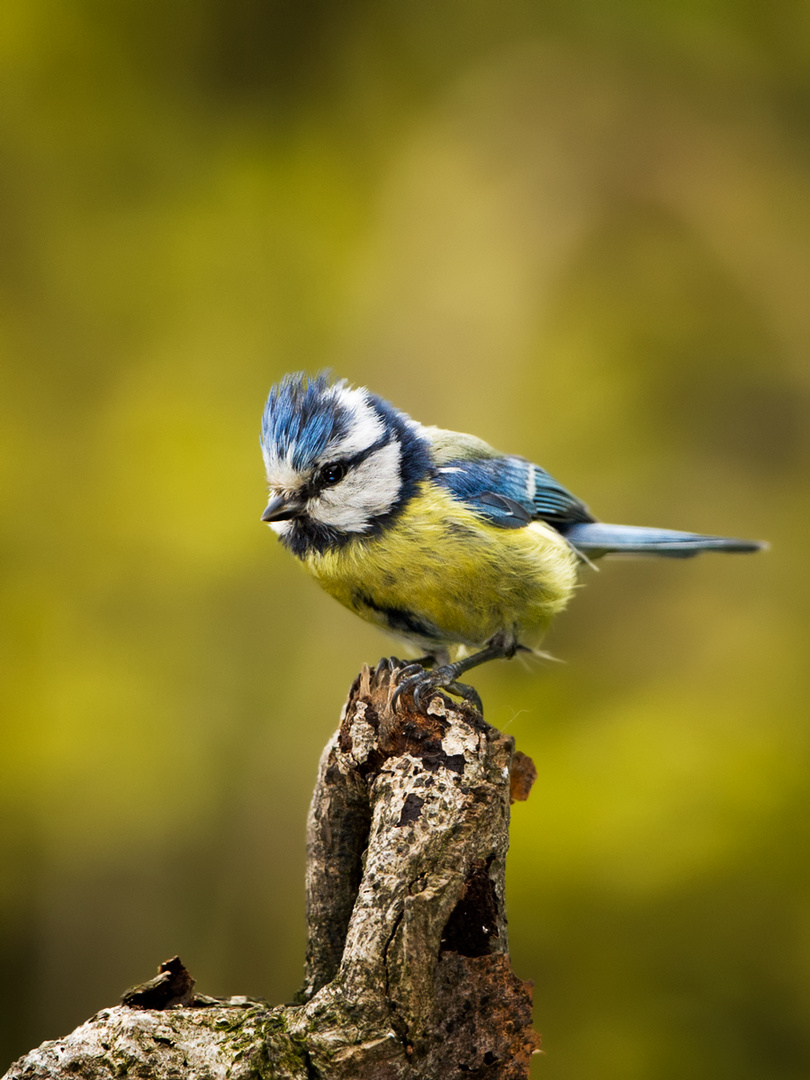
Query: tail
[[593, 538]]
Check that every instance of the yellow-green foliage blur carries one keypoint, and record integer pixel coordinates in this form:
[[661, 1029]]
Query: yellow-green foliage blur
[[578, 230]]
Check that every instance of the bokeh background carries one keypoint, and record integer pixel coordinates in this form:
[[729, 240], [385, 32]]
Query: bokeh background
[[579, 230]]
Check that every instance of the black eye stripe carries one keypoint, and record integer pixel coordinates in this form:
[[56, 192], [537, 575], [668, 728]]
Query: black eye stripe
[[360, 457]]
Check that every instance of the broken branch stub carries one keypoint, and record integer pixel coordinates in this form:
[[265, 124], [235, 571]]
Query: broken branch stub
[[414, 807], [407, 970]]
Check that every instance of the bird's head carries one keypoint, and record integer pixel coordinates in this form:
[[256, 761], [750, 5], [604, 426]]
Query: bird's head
[[339, 460]]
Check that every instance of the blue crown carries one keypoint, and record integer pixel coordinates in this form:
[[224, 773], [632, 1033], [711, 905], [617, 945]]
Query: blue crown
[[302, 417]]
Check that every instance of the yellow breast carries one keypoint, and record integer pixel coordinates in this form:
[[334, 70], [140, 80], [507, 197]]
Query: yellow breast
[[441, 576]]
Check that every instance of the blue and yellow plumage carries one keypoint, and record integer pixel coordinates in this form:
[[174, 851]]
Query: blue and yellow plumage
[[432, 534]]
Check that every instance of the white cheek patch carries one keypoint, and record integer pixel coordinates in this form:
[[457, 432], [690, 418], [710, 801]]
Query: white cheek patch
[[280, 528], [368, 491]]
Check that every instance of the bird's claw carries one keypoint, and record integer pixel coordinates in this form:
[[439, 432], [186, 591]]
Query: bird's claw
[[412, 674], [467, 693], [389, 664], [422, 684], [411, 671]]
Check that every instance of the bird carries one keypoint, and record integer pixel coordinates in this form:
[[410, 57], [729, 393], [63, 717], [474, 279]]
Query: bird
[[464, 553]]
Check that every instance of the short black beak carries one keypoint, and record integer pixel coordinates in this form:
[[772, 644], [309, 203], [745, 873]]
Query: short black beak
[[283, 507]]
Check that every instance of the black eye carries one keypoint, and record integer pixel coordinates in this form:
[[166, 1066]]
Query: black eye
[[332, 474]]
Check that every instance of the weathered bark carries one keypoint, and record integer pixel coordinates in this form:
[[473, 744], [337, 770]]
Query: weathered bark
[[407, 972]]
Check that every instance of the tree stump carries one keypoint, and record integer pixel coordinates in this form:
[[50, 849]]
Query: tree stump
[[407, 968]]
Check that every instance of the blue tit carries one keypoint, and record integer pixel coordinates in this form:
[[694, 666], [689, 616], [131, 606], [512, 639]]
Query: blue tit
[[464, 552]]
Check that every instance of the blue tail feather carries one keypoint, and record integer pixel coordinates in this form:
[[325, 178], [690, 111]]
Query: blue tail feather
[[594, 538]]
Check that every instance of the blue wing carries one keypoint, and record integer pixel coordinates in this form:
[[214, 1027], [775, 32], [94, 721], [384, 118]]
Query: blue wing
[[510, 492]]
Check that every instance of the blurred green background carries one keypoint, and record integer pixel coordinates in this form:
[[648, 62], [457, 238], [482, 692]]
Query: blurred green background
[[579, 230]]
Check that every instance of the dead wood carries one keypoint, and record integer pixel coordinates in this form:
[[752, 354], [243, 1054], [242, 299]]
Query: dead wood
[[407, 967]]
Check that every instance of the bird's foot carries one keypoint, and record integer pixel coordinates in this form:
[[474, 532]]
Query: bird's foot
[[414, 679], [396, 667], [390, 664]]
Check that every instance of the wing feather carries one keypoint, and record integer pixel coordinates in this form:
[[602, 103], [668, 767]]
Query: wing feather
[[507, 490]]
